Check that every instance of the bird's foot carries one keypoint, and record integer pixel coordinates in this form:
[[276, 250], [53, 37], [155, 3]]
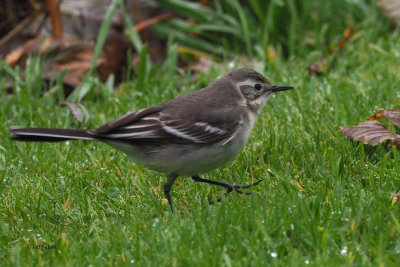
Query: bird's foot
[[229, 187]]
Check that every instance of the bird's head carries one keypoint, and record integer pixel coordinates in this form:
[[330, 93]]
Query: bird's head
[[253, 87]]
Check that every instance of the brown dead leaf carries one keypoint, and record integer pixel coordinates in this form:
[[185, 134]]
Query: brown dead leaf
[[393, 115], [75, 57], [71, 55], [370, 132], [13, 57], [391, 8], [76, 64], [74, 108]]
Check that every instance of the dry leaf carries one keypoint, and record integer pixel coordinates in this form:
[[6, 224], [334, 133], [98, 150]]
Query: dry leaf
[[370, 132], [391, 8], [63, 54], [75, 57], [391, 114], [74, 108], [13, 57]]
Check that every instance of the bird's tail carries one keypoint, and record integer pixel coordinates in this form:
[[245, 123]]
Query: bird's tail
[[49, 135]]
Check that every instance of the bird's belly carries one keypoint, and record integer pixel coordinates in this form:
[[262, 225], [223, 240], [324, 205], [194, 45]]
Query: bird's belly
[[182, 159]]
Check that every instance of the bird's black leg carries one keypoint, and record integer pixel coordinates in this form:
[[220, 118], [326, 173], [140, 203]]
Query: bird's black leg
[[167, 187], [229, 187]]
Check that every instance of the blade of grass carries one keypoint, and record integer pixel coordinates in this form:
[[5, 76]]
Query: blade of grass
[[189, 40], [189, 9], [80, 92], [245, 26], [10, 71], [293, 26], [141, 72], [255, 4], [132, 33], [102, 36], [170, 64]]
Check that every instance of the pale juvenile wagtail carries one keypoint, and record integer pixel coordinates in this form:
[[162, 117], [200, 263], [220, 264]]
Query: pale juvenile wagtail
[[187, 135]]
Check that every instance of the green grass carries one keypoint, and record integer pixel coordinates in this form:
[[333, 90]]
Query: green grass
[[251, 27], [325, 201]]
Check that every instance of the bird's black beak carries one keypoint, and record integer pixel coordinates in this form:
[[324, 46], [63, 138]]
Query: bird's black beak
[[276, 88]]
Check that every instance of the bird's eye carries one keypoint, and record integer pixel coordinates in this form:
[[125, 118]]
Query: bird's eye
[[257, 86]]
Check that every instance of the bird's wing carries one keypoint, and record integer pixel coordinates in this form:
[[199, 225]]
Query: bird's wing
[[198, 130], [126, 120], [162, 126]]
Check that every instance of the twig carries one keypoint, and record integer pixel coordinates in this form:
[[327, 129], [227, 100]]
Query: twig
[[56, 19], [147, 23], [138, 14]]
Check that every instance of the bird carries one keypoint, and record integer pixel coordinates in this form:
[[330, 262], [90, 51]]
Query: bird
[[186, 136]]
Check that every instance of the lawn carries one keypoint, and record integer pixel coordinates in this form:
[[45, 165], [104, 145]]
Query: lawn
[[325, 200]]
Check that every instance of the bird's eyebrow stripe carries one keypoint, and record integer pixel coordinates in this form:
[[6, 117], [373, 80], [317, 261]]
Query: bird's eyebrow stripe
[[248, 82]]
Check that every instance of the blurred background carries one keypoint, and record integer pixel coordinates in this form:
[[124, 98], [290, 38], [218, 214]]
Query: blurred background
[[192, 33]]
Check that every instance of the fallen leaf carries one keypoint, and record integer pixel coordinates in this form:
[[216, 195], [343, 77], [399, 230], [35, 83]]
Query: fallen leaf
[[13, 57], [370, 132], [74, 108], [391, 8], [393, 115], [74, 57]]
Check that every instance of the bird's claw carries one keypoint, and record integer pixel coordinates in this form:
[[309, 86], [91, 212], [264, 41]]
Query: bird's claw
[[230, 188]]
